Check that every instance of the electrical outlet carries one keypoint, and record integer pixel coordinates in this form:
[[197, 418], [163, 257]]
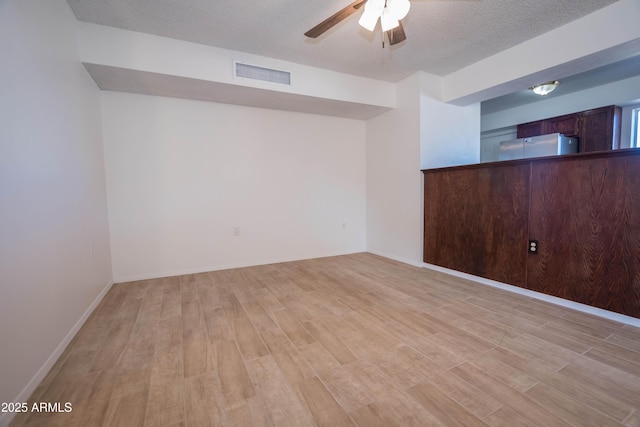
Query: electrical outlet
[[534, 246], [236, 231]]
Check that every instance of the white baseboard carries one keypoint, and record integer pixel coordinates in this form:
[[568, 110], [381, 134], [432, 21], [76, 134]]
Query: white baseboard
[[24, 395], [606, 314]]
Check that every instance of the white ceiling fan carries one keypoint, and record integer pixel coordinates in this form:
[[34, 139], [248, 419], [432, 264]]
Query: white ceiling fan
[[389, 12]]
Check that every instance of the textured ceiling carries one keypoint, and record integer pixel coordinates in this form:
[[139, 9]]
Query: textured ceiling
[[442, 35]]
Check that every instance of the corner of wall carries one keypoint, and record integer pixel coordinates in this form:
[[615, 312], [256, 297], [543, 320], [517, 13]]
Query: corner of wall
[[31, 386]]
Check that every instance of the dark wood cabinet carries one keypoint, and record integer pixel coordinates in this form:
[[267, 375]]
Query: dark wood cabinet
[[527, 130], [584, 211], [597, 129], [600, 129], [568, 125]]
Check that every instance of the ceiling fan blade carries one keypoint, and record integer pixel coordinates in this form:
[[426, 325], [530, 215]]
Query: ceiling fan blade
[[334, 19], [396, 35]]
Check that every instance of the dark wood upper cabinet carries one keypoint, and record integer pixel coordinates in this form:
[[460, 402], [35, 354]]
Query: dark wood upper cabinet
[[597, 129], [527, 130], [568, 125], [600, 129]]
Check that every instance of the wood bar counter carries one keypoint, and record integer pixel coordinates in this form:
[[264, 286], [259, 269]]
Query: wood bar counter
[[567, 226]]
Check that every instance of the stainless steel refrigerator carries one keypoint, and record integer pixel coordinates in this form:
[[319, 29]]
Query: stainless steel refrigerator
[[537, 146]]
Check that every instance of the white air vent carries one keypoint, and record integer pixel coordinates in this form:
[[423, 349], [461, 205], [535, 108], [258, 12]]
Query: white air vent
[[261, 73]]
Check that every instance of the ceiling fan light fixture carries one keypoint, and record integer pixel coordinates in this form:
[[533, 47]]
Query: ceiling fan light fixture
[[372, 11], [375, 6], [399, 8], [545, 88], [369, 19], [388, 20]]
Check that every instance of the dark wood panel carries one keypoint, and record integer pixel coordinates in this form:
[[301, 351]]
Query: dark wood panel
[[585, 212], [475, 220]]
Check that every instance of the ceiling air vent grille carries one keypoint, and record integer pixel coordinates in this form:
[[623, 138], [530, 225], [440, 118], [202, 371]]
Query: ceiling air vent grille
[[261, 73]]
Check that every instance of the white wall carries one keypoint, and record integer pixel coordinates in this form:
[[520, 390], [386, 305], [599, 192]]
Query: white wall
[[181, 174], [490, 142], [449, 135], [394, 180], [422, 132], [52, 192]]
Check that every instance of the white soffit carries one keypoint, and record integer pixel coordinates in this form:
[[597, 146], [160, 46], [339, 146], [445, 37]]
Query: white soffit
[[124, 60], [148, 83]]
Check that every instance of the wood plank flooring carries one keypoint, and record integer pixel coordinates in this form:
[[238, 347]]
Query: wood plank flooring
[[340, 341]]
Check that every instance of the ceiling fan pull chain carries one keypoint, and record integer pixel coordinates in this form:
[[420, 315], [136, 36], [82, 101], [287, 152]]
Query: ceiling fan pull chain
[[382, 32]]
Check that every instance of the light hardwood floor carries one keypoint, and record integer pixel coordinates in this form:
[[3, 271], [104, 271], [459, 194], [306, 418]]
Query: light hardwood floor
[[349, 340]]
